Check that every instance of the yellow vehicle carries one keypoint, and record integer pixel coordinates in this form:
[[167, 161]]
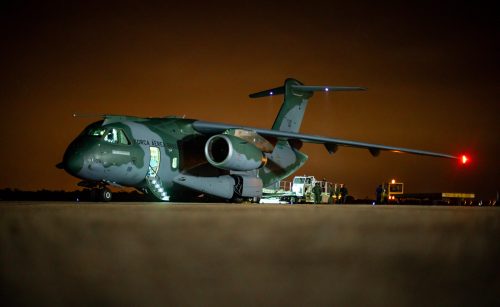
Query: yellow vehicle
[[391, 191]]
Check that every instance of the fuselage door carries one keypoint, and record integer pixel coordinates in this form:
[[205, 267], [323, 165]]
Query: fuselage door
[[154, 162]]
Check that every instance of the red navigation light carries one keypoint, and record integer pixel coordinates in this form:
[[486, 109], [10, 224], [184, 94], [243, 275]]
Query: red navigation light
[[464, 159]]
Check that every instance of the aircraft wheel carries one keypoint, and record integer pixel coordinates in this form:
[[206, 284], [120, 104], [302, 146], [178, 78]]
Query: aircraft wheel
[[237, 200], [106, 195], [255, 200]]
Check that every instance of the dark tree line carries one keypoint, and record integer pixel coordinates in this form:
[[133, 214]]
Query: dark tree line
[[77, 195]]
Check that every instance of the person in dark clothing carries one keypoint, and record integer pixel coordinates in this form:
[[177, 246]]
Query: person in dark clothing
[[343, 193], [330, 193], [379, 192], [317, 193]]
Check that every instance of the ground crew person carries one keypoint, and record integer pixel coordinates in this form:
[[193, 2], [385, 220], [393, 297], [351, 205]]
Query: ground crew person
[[317, 193], [379, 192], [343, 193], [337, 195], [384, 195], [330, 193]]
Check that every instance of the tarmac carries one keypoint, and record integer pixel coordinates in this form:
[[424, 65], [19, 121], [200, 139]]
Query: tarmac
[[159, 254]]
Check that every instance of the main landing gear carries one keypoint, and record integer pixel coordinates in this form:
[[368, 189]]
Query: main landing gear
[[240, 200]]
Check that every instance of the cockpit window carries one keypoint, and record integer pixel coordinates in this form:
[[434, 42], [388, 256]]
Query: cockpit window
[[97, 131], [111, 135], [116, 136]]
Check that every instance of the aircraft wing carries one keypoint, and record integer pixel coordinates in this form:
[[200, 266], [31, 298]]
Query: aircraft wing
[[331, 144]]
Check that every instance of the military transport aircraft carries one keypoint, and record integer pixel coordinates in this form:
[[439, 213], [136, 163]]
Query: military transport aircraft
[[173, 158]]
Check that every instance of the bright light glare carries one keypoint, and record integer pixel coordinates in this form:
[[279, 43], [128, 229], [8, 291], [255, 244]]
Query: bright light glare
[[326, 89], [464, 159], [271, 93]]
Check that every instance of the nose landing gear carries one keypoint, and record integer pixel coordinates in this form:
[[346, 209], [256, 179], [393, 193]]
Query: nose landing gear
[[97, 191], [101, 194]]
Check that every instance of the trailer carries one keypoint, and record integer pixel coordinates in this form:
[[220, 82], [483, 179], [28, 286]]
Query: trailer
[[438, 198]]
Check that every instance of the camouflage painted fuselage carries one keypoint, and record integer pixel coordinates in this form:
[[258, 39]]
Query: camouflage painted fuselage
[[162, 157]]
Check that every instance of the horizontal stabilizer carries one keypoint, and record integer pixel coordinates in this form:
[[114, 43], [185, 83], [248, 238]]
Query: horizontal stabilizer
[[306, 88], [326, 88], [274, 91]]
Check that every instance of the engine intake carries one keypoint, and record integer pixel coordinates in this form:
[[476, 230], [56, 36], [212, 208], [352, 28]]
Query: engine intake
[[233, 153]]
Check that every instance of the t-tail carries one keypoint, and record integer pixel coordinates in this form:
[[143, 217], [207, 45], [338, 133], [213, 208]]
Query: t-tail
[[286, 157], [294, 104]]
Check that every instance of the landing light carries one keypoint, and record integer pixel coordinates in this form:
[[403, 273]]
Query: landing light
[[326, 89], [271, 93]]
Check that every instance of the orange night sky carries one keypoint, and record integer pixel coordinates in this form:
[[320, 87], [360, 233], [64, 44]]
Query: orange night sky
[[431, 69]]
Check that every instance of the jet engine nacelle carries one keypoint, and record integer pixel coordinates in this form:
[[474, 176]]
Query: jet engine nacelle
[[233, 153]]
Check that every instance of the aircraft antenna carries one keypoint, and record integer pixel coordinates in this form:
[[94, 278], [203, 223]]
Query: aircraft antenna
[[87, 115]]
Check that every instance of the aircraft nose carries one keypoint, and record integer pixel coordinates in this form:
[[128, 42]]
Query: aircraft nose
[[72, 161], [73, 164]]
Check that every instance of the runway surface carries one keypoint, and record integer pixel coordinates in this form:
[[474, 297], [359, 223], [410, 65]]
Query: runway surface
[[248, 255]]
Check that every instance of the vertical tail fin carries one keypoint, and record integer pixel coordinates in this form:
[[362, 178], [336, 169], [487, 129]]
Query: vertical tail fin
[[294, 105]]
